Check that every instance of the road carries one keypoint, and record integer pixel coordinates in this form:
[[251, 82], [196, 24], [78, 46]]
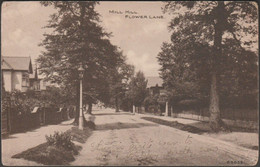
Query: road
[[126, 139]]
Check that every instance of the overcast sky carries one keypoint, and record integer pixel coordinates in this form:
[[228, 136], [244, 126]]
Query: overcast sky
[[139, 39]]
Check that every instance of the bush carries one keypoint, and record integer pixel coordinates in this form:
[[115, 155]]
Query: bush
[[60, 140]]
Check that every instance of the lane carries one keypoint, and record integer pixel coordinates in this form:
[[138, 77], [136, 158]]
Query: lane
[[126, 139]]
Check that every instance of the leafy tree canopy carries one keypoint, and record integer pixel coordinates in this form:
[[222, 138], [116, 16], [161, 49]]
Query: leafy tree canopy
[[78, 38]]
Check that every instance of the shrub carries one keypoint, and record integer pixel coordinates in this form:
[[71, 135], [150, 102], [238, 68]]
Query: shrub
[[62, 139]]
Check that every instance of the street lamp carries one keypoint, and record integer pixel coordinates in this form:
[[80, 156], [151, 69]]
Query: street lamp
[[81, 121]]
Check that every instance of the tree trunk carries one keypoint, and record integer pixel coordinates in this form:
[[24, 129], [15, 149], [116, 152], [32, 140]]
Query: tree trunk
[[116, 101], [215, 121], [214, 105], [90, 108]]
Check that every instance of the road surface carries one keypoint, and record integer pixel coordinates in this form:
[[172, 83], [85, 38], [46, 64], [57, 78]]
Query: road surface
[[127, 139]]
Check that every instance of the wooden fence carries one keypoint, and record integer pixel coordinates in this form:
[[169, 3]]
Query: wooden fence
[[12, 122], [5, 115]]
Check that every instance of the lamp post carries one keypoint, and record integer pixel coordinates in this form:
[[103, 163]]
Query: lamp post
[[81, 121]]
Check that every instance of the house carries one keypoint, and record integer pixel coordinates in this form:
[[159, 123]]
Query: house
[[15, 73], [156, 89], [18, 74], [154, 85]]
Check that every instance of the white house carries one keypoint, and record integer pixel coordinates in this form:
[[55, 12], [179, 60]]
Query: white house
[[18, 74], [15, 71]]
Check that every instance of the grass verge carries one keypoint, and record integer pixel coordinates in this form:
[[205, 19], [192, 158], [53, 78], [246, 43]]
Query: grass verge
[[54, 155], [175, 124]]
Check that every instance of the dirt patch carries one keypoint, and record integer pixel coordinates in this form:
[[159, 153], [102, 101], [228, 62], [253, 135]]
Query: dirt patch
[[79, 135]]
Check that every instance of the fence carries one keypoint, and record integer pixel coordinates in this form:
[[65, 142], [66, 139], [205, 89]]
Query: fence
[[19, 123], [230, 122], [14, 120], [228, 113], [5, 111]]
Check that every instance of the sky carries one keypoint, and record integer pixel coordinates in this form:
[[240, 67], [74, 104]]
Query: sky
[[140, 39]]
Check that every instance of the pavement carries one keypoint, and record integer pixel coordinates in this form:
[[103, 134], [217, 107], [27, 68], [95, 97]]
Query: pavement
[[19, 142], [128, 140]]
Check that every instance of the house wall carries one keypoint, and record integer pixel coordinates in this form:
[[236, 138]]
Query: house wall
[[7, 77], [13, 81], [17, 80]]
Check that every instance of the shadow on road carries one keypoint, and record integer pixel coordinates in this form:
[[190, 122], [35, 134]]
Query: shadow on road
[[119, 125], [7, 136]]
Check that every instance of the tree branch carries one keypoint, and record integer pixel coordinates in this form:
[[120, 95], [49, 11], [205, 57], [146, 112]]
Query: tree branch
[[239, 42], [69, 7]]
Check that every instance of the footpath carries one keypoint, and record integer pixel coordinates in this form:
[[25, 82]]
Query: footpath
[[16, 143]]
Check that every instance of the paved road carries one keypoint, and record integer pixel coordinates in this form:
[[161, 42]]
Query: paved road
[[126, 139]]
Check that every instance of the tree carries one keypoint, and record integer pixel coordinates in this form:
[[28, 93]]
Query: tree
[[77, 38], [120, 80], [137, 89], [179, 79], [218, 36]]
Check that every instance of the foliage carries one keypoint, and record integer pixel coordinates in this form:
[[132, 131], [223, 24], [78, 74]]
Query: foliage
[[151, 100], [179, 78], [22, 103], [216, 52], [78, 38], [119, 83], [137, 88], [62, 139], [59, 148]]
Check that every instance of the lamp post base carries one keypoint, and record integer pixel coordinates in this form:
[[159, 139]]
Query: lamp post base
[[81, 123]]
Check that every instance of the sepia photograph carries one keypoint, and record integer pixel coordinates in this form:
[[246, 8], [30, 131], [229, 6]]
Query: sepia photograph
[[129, 83]]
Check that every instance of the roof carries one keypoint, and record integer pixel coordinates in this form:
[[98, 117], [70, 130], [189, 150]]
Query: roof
[[16, 63], [153, 80]]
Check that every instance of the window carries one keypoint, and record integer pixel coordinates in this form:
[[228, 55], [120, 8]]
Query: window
[[25, 79]]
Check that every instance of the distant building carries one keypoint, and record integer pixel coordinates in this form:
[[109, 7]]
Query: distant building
[[16, 71], [156, 88], [153, 81], [154, 85], [18, 74]]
